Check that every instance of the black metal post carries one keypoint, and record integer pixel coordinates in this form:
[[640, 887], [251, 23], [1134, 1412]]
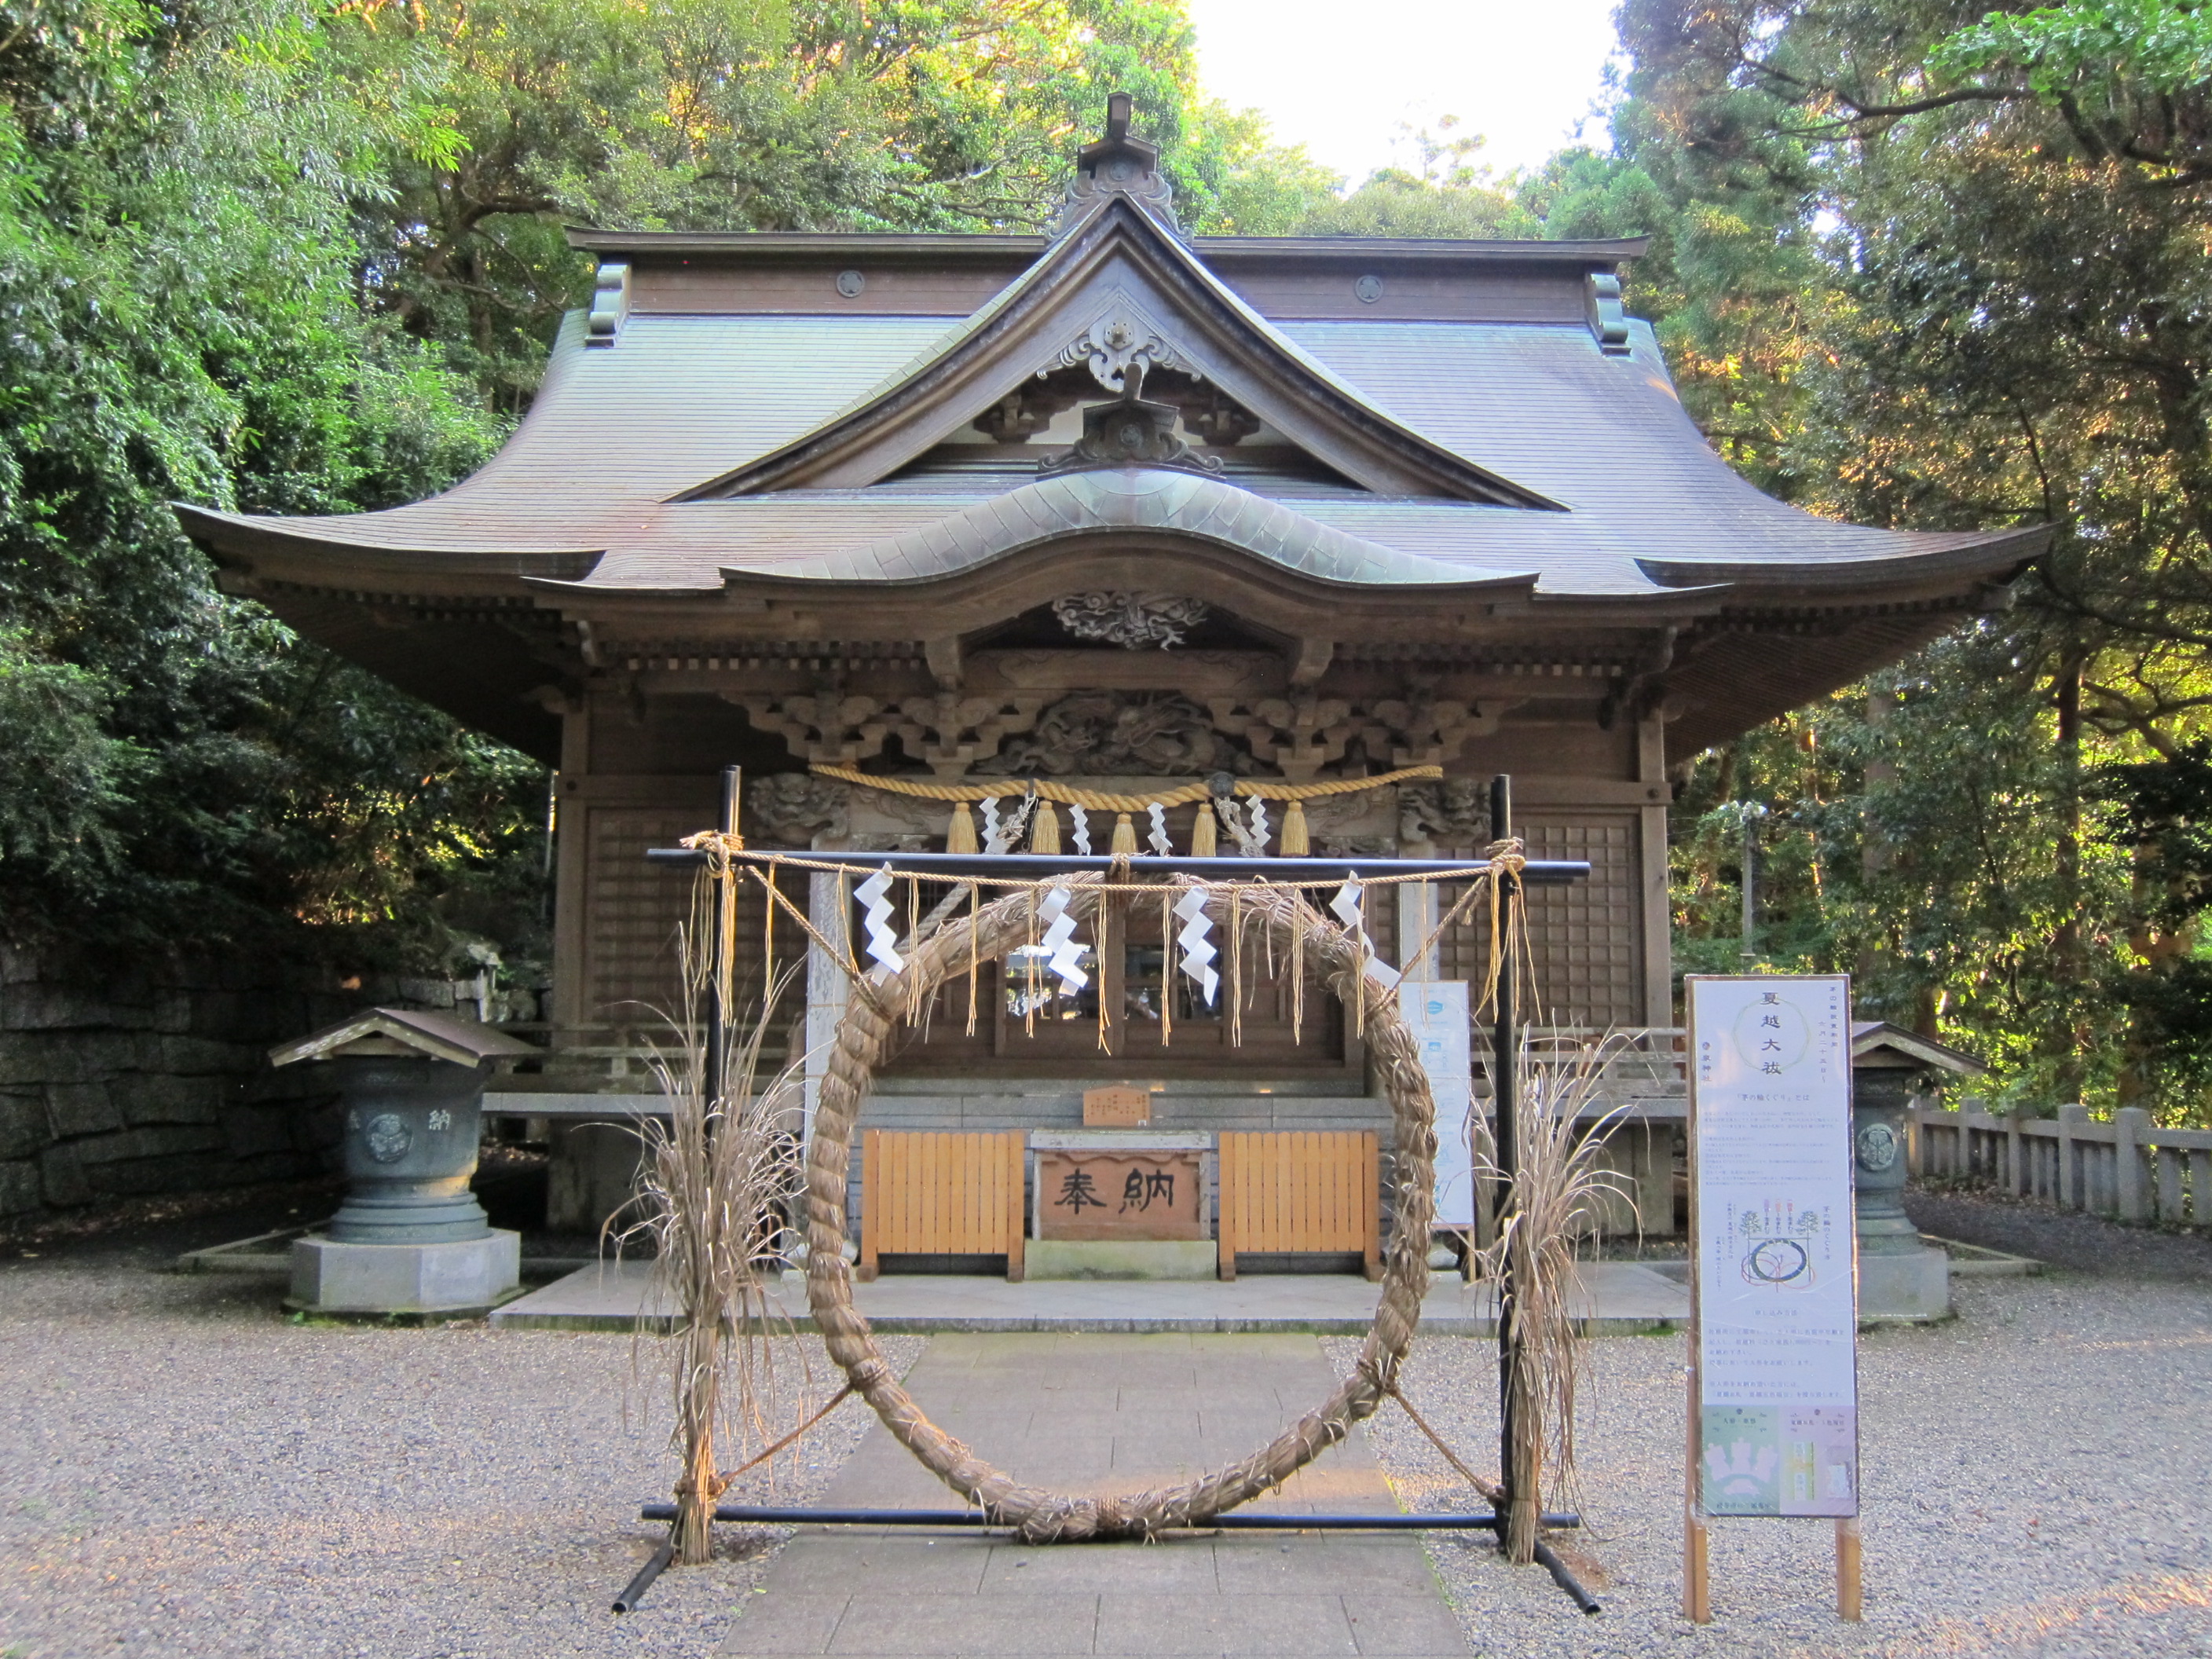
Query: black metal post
[[1505, 1053], [720, 972]]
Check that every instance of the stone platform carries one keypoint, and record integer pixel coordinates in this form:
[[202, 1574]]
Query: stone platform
[[1621, 1298]]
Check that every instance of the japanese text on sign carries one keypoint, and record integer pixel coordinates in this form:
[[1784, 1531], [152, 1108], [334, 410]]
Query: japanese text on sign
[[1778, 1352]]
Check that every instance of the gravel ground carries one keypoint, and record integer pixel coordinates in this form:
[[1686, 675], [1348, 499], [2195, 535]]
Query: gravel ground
[[2085, 1244], [184, 1472], [2036, 1477]]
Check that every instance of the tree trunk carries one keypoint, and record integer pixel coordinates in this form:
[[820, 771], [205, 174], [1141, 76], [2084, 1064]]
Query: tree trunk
[[2068, 965]]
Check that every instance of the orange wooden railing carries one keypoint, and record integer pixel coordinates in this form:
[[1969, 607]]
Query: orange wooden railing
[[941, 1194], [1300, 1191]]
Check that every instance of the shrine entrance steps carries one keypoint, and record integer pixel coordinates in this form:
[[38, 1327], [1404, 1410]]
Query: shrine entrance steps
[[1099, 1413]]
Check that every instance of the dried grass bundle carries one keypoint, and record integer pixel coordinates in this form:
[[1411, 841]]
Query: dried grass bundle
[[713, 1186], [1558, 1192]]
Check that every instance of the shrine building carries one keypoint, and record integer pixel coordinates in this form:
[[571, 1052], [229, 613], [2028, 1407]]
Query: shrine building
[[884, 519]]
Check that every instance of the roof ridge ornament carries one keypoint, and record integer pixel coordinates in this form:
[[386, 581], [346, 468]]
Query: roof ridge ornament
[[1116, 165]]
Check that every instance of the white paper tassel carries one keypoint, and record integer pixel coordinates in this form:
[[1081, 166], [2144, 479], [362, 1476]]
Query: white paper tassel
[[1159, 837], [1081, 820], [1198, 952], [1258, 828], [994, 839], [1066, 956], [1347, 904], [883, 938]]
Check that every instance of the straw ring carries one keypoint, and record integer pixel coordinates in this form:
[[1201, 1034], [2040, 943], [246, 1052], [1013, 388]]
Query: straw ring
[[874, 1013]]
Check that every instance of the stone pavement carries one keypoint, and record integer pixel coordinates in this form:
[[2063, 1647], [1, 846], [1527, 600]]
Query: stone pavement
[[1096, 1414], [1620, 1298]]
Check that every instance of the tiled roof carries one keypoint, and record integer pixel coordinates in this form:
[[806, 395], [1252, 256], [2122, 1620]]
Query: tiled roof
[[676, 401]]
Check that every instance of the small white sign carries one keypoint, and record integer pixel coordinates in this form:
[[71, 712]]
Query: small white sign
[[1437, 1010], [1777, 1357]]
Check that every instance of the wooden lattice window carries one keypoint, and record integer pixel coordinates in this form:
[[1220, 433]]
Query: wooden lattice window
[[1587, 939], [634, 907]]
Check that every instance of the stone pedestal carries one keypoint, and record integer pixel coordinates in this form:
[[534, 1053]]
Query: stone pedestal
[[1900, 1278], [459, 1277], [1912, 1287], [593, 1174]]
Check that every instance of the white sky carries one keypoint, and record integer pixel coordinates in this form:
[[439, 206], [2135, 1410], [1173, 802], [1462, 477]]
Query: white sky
[[1343, 78]]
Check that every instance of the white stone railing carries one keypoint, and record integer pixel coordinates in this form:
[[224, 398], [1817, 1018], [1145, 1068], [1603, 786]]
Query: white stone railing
[[2123, 1167]]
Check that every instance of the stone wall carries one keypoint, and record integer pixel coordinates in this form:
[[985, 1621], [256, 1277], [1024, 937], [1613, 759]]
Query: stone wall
[[154, 1078]]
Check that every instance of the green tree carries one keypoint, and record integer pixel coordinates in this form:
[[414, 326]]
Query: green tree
[[176, 255], [808, 115], [1996, 229]]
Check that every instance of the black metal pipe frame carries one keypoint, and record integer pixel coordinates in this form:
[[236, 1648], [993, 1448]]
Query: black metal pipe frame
[[1504, 1047], [752, 1515], [1548, 1558], [1032, 867], [718, 1016], [1504, 1051], [633, 1592]]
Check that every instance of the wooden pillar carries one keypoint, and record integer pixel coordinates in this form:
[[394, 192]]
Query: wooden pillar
[[1850, 1601], [1651, 870], [827, 904], [570, 841]]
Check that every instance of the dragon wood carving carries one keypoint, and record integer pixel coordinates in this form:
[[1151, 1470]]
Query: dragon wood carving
[[1128, 733], [1132, 621], [1102, 733]]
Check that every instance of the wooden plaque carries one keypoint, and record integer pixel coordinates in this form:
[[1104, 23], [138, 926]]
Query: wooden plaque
[[1122, 1108], [1110, 1194]]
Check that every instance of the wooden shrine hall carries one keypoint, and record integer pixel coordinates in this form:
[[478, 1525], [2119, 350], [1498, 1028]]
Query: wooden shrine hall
[[904, 525]]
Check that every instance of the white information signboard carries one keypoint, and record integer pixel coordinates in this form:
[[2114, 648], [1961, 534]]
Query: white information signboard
[[1437, 1010], [1775, 1400]]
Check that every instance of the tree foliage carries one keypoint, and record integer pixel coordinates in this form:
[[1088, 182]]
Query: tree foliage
[[1972, 291]]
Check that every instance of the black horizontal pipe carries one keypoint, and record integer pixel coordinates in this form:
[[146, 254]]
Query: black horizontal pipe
[[634, 1591], [1549, 1560], [1029, 866], [1239, 1521]]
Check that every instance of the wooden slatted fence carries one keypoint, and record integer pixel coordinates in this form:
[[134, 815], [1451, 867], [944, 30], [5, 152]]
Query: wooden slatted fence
[[941, 1194], [1307, 1190]]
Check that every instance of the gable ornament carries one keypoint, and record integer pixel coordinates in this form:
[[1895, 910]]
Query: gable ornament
[[1130, 433], [1116, 349]]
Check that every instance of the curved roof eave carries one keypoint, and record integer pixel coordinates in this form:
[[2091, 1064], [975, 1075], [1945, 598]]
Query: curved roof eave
[[1142, 500], [1961, 554], [244, 535], [1147, 498]]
